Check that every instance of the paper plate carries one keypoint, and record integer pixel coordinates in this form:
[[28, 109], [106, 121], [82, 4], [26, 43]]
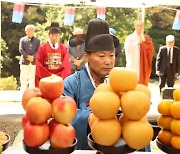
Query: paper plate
[[119, 148], [46, 149]]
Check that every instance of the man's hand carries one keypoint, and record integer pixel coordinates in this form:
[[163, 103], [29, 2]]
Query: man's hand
[[157, 73], [30, 58]]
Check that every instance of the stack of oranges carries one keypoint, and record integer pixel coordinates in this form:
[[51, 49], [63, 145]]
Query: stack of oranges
[[169, 120], [122, 93]]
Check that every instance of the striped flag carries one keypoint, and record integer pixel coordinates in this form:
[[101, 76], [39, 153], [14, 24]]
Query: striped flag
[[18, 12], [69, 16], [101, 12], [176, 24]]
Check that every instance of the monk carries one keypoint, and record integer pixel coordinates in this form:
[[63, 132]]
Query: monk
[[139, 51]]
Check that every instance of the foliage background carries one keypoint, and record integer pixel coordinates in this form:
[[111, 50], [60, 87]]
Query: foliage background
[[158, 24]]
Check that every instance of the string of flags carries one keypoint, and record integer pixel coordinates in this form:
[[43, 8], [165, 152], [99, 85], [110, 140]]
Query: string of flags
[[69, 16]]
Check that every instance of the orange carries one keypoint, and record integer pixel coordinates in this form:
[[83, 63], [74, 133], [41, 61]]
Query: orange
[[175, 142], [176, 94], [106, 132], [175, 109], [175, 126], [91, 119], [143, 88], [164, 106], [165, 136], [135, 104], [122, 80], [137, 134], [165, 121], [103, 87], [104, 104]]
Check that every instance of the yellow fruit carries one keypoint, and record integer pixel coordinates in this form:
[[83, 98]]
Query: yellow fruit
[[137, 134], [135, 104], [104, 104], [91, 119], [164, 107], [165, 136], [175, 109], [122, 80], [175, 126], [165, 121], [176, 94], [175, 142], [104, 87], [106, 132], [143, 88]]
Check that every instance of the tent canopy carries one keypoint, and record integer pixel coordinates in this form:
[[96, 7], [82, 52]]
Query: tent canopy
[[105, 3]]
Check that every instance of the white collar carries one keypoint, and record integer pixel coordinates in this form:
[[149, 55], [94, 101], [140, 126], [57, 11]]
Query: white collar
[[91, 78], [56, 44], [142, 35]]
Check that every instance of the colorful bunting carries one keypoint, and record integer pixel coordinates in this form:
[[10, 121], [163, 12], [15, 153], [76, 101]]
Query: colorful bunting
[[101, 12], [69, 16], [18, 12], [176, 24]]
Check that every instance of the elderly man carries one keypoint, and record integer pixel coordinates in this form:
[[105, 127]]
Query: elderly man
[[100, 57], [76, 49], [168, 63], [139, 51], [28, 47]]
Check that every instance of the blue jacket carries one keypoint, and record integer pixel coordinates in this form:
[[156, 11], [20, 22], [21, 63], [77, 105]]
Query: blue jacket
[[80, 88]]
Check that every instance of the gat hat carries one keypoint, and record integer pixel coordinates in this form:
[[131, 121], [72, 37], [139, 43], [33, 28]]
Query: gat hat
[[170, 38], [77, 31], [54, 28], [98, 37], [112, 31]]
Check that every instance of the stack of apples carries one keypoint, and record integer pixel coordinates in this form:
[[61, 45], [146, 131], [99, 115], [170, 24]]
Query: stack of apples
[[48, 114], [169, 120], [122, 93]]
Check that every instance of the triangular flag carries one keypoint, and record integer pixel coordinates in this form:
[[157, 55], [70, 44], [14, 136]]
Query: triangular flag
[[101, 12], [69, 16], [18, 12], [176, 24]]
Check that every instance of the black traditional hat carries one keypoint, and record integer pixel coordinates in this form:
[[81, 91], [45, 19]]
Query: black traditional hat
[[98, 37], [55, 28]]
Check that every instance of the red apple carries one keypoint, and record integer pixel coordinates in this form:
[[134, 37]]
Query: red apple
[[38, 110], [36, 135], [61, 136], [51, 87], [24, 120], [29, 93], [64, 109]]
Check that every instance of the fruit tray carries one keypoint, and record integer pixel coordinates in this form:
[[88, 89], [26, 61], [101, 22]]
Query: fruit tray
[[6, 145], [46, 149], [166, 148], [119, 148]]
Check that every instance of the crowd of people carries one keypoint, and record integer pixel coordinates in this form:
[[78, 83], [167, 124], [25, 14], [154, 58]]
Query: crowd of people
[[88, 60]]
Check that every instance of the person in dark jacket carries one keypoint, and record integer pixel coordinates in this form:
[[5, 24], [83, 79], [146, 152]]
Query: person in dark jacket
[[168, 63], [28, 47], [76, 50]]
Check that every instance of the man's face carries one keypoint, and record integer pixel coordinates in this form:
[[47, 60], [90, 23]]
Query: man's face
[[139, 26], [101, 62], [170, 44], [30, 32], [54, 37]]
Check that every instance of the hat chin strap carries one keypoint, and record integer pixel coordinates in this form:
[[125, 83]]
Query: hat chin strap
[[101, 78]]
